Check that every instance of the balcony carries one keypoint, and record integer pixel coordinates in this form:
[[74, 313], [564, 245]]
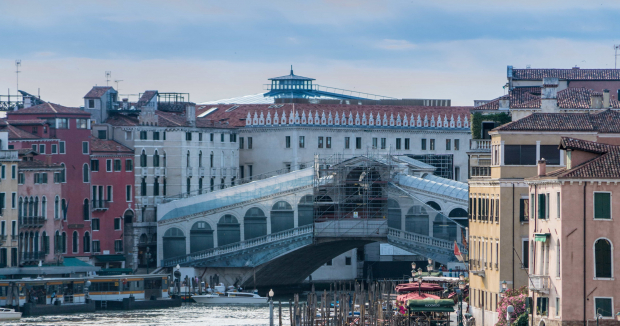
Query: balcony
[[159, 171], [3, 238], [100, 205], [144, 171], [32, 222], [32, 256], [233, 172], [213, 172], [540, 283], [8, 155], [201, 171], [224, 172], [189, 171], [480, 145]]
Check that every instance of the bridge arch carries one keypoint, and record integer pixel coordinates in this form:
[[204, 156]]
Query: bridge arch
[[254, 223], [228, 230], [282, 216], [174, 243], [443, 228], [434, 205], [394, 218], [305, 210], [458, 212], [417, 220], [200, 237]]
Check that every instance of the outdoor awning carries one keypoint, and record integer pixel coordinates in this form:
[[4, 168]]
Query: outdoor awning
[[541, 237], [444, 305], [108, 258]]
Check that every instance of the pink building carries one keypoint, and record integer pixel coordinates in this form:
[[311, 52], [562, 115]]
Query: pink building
[[572, 232]]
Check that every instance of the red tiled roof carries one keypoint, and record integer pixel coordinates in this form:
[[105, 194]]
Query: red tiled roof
[[16, 133], [529, 98], [31, 122], [37, 164], [48, 108], [518, 96], [579, 98], [97, 91], [585, 145], [166, 119], [567, 74], [237, 116], [146, 97], [607, 121], [106, 145]]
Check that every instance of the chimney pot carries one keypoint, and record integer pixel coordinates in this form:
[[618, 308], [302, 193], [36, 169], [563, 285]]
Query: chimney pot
[[542, 167], [606, 103], [596, 100]]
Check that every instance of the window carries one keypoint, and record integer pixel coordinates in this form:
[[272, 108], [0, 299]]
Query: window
[[54, 149], [188, 136], [524, 215], [94, 165], [532, 205], [128, 165], [383, 143], [95, 224], [85, 173], [603, 259], [14, 200], [520, 154], [541, 306], [62, 123], [164, 187], [117, 223], [91, 104], [302, 142], [86, 242], [602, 205], [347, 261], [108, 165], [56, 208], [375, 143], [542, 207], [603, 306], [212, 184], [156, 135], [117, 165], [358, 142], [432, 145], [143, 187], [398, 140], [288, 141], [423, 144], [525, 253], [240, 141], [551, 154], [102, 134], [250, 171], [74, 243], [233, 138], [347, 142], [199, 185], [457, 173], [118, 245], [558, 259], [3, 171], [241, 172], [329, 263], [249, 142], [44, 207], [42, 149], [20, 178], [96, 246], [222, 137], [81, 123], [84, 147], [558, 204], [211, 136], [448, 144], [128, 193], [34, 147], [63, 209], [456, 144], [320, 142], [211, 160], [62, 147], [328, 142], [407, 143], [109, 194], [142, 159]]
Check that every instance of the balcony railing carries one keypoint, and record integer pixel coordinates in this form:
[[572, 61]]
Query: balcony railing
[[540, 283], [32, 221], [8, 155], [480, 171], [100, 205], [480, 145]]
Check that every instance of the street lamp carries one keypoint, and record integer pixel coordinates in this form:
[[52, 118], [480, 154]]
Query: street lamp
[[430, 266], [461, 292], [420, 282], [504, 288], [271, 307], [148, 258], [598, 316], [412, 272]]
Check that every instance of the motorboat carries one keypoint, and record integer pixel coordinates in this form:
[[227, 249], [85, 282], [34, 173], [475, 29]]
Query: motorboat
[[230, 298], [9, 314]]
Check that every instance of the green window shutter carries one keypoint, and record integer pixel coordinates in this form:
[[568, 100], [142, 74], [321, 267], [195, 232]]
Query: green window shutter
[[541, 206], [602, 205]]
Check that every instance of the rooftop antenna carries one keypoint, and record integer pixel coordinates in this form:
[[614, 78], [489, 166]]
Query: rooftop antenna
[[18, 63], [108, 75], [291, 70], [616, 47], [117, 81]]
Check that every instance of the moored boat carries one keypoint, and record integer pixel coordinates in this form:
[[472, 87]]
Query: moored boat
[[9, 314], [230, 298]]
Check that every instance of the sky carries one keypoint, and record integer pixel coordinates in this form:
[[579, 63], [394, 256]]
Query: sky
[[449, 49]]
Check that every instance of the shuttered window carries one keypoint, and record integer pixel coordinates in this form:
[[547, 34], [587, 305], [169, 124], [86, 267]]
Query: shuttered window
[[602, 205], [541, 206], [602, 258]]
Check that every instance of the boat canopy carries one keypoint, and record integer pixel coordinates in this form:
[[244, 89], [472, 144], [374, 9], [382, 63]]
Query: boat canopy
[[444, 305]]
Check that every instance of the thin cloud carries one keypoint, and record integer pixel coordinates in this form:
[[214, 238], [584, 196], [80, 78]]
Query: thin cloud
[[389, 44]]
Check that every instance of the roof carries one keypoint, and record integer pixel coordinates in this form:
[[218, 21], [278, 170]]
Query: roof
[[415, 163], [291, 76], [16, 133], [37, 164], [145, 98], [530, 97], [166, 119], [24, 151], [48, 108], [26, 122], [69, 261], [97, 91], [607, 121], [566, 74], [106, 145], [237, 114], [434, 184]]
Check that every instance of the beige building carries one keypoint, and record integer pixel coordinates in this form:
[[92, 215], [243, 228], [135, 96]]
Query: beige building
[[9, 238]]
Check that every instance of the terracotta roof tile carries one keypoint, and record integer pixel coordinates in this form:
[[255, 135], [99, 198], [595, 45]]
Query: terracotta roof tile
[[106, 145], [97, 91], [145, 98], [566, 74], [37, 164], [607, 121], [48, 108], [166, 119], [17, 133]]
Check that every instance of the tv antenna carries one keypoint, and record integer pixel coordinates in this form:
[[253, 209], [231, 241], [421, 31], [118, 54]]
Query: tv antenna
[[18, 63], [117, 81], [108, 75], [616, 47]]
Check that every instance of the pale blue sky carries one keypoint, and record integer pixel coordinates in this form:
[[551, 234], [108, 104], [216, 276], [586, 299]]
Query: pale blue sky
[[219, 49]]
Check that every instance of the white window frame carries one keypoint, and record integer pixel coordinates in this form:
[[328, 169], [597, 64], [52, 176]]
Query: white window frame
[[612, 306], [87, 148], [611, 212], [558, 205], [64, 146], [594, 261], [111, 165], [13, 171], [42, 146], [54, 149], [128, 193]]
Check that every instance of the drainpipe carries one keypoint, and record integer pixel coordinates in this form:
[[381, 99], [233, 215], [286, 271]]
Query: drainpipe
[[533, 251], [513, 236], [584, 254]]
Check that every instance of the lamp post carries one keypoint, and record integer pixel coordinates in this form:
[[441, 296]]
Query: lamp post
[[412, 272], [509, 310], [271, 307], [598, 316], [504, 288], [420, 282], [430, 266], [461, 291], [148, 258]]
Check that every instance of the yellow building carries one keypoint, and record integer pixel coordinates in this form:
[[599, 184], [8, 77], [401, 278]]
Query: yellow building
[[8, 204]]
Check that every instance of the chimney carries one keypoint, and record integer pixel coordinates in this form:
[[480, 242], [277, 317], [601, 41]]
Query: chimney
[[190, 114], [542, 167], [504, 102], [549, 95], [606, 98], [125, 103], [596, 100], [48, 159]]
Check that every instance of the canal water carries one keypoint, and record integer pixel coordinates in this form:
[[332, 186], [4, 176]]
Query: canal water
[[188, 314]]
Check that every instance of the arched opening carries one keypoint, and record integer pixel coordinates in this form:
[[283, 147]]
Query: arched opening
[[174, 243], [200, 237], [19, 207], [305, 211], [228, 230], [603, 262], [56, 208], [143, 159], [211, 160], [254, 223], [86, 241], [458, 212], [86, 210], [394, 214], [143, 238], [156, 159], [200, 159], [36, 206], [128, 216], [44, 207], [85, 174], [417, 220], [63, 173], [74, 243], [282, 217], [434, 205], [187, 159], [443, 228]]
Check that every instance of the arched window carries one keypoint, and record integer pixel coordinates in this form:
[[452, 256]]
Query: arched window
[[200, 237], [156, 159], [603, 262], [35, 241], [282, 217], [143, 159], [394, 214], [74, 243], [86, 210], [56, 208], [63, 242], [57, 244], [63, 173], [63, 208], [174, 243], [187, 159], [254, 223], [36, 206], [85, 174], [44, 207], [86, 241], [200, 159], [211, 160], [31, 207], [417, 220], [45, 243], [189, 185], [164, 159], [558, 259], [19, 207], [143, 238], [305, 211], [228, 230], [434, 205]]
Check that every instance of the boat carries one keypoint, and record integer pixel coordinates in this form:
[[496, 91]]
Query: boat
[[230, 298], [9, 314]]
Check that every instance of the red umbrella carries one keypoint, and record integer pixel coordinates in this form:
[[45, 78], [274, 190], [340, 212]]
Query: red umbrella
[[410, 287], [416, 296]]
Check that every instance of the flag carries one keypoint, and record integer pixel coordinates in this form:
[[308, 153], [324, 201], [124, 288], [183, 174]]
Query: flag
[[457, 252]]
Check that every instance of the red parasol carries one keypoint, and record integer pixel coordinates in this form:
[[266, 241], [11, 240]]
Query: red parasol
[[410, 287], [416, 296]]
